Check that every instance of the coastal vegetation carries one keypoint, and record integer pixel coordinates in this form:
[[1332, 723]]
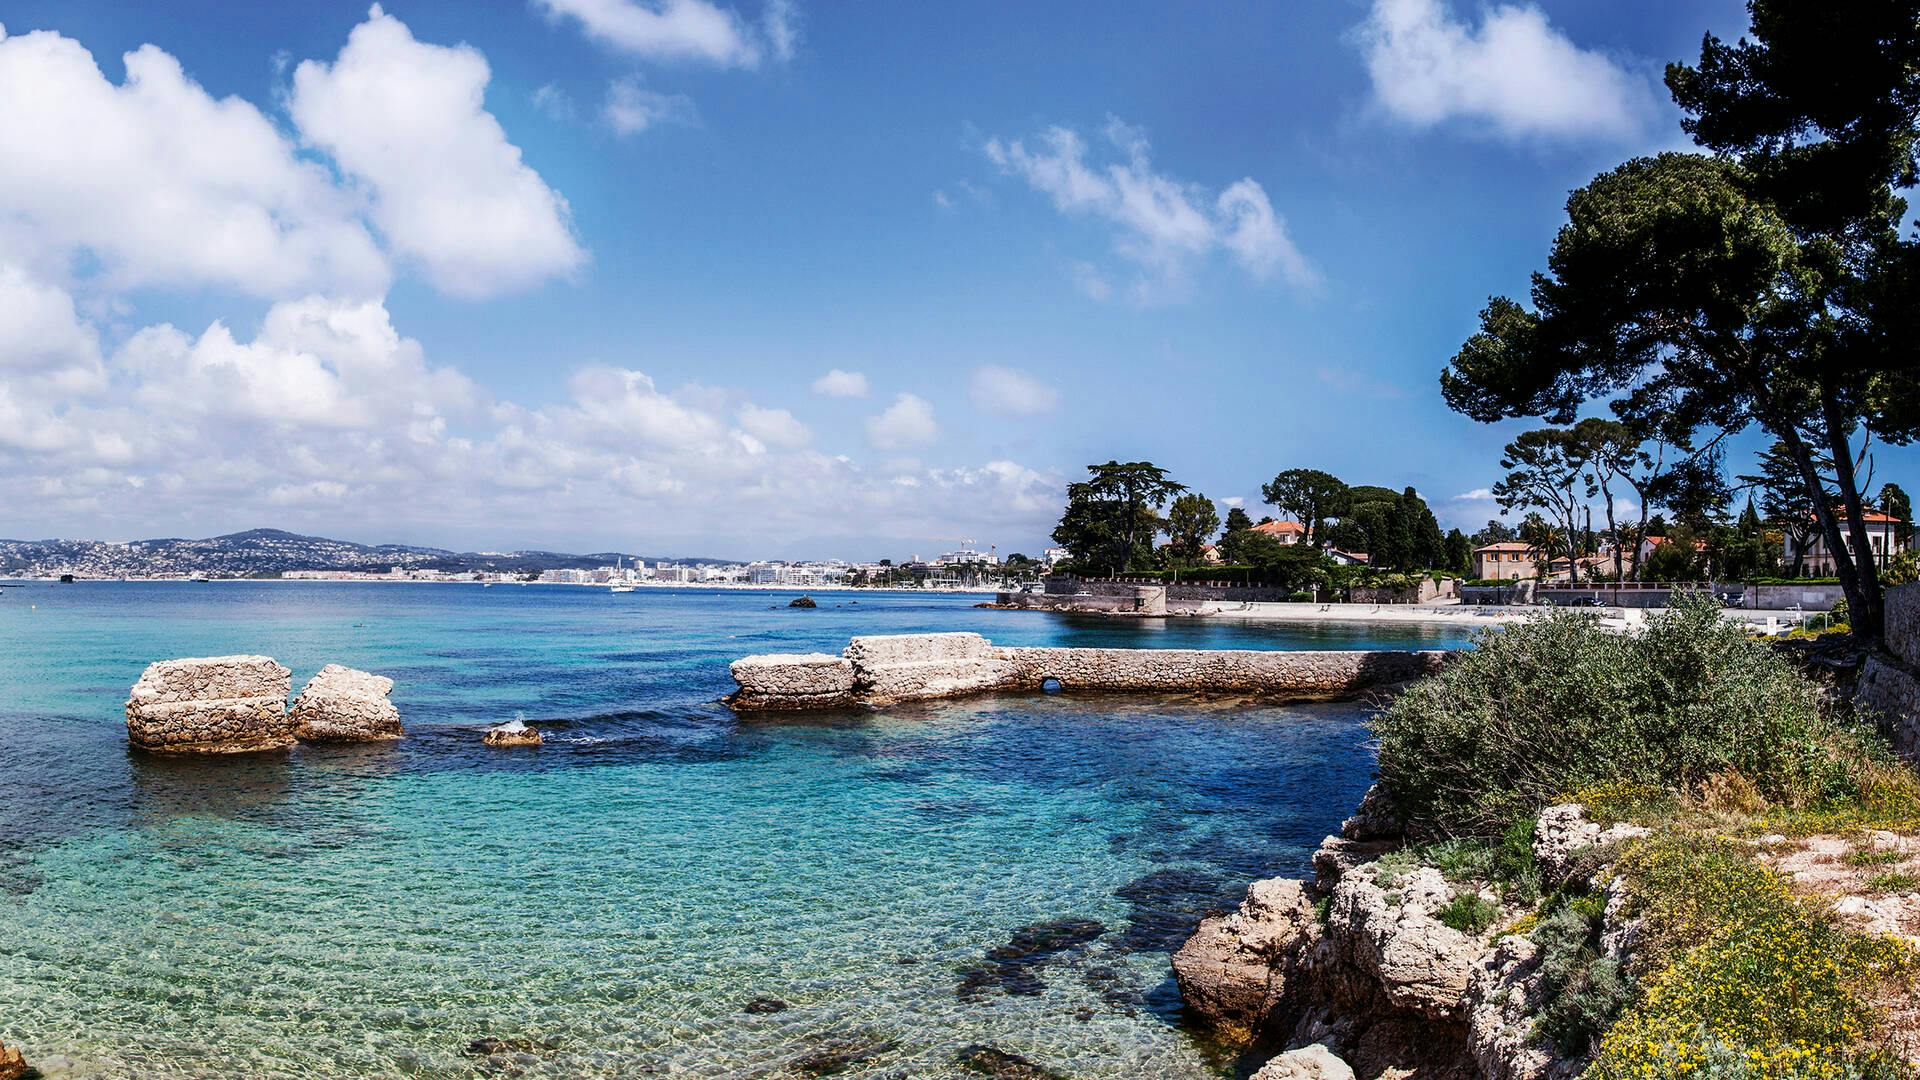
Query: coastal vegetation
[[1765, 282]]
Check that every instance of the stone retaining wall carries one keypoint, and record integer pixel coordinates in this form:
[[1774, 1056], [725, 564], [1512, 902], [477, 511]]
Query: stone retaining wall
[[1888, 685], [911, 667]]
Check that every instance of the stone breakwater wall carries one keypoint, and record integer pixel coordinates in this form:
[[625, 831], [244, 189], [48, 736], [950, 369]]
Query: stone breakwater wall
[[238, 704], [881, 670]]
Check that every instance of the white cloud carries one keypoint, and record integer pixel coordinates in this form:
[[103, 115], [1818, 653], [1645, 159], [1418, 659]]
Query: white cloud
[[780, 21], [1162, 225], [905, 424], [448, 191], [1010, 393], [555, 102], [1514, 74], [40, 333], [837, 383], [1090, 282], [1237, 500], [631, 108], [682, 29], [163, 184], [1476, 495], [775, 427]]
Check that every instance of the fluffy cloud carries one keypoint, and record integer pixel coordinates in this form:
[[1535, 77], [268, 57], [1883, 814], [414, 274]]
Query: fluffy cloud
[[631, 108], [774, 427], [327, 418], [448, 191], [1514, 74], [163, 184], [905, 424], [837, 383], [41, 336], [682, 29], [1010, 393], [1161, 224]]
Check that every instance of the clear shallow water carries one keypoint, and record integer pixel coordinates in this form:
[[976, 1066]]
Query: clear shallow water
[[611, 902]]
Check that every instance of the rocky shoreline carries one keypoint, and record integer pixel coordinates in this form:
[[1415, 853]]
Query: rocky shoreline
[[1370, 968]]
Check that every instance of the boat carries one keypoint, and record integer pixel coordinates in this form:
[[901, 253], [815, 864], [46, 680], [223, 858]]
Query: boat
[[621, 588]]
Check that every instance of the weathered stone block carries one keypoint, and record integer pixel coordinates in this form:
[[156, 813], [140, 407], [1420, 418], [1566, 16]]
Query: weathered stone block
[[791, 674], [883, 649], [220, 704], [343, 704], [935, 679], [1902, 633]]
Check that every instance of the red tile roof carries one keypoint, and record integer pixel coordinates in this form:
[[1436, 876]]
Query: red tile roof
[[1281, 528]]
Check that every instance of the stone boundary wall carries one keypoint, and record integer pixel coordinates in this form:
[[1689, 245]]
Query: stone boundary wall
[[1888, 685], [882, 670], [1177, 592], [1777, 597]]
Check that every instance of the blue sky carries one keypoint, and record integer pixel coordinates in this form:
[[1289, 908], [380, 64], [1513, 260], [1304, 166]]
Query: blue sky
[[572, 273]]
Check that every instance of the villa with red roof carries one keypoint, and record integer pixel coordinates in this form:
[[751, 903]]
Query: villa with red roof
[[1882, 533]]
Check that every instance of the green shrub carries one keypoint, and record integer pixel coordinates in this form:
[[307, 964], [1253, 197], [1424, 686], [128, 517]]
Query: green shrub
[[1468, 913], [1582, 991], [1557, 704]]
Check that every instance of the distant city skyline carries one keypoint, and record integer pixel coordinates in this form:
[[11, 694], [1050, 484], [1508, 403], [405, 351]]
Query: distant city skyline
[[772, 279]]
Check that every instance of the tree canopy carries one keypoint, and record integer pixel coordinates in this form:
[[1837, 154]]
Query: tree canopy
[[1309, 496], [1112, 517], [1766, 284]]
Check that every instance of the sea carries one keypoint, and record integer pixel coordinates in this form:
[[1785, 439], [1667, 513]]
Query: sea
[[664, 888]]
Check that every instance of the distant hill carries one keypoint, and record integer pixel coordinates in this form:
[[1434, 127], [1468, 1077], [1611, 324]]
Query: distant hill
[[269, 552]]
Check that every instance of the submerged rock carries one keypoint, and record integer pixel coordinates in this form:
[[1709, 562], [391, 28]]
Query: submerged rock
[[211, 705], [762, 1006], [838, 1055], [13, 1064], [514, 733], [1002, 1064], [1314, 1062], [343, 704], [490, 1046], [1013, 966]]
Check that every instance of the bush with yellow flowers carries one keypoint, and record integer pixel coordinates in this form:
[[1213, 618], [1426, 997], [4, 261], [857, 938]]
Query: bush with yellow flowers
[[1739, 977]]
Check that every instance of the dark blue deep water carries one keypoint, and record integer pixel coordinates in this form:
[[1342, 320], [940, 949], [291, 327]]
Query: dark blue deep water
[[1010, 870]]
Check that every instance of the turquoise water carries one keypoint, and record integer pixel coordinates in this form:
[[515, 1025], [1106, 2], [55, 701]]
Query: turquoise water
[[1010, 871]]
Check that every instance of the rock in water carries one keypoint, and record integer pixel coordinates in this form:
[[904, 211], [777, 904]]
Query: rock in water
[[342, 704], [1236, 967], [764, 1006], [1002, 1064], [13, 1066], [211, 705], [1314, 1062], [803, 601], [516, 733]]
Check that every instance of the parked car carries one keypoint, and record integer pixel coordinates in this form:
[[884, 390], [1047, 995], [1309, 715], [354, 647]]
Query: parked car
[[1585, 601], [1731, 598]]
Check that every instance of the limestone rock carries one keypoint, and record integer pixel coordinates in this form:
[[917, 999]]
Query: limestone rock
[[1373, 819], [216, 705], [1337, 855], [792, 681], [514, 733], [1314, 1062], [1503, 1004], [1232, 971], [13, 1065], [343, 704], [1389, 932], [1563, 832]]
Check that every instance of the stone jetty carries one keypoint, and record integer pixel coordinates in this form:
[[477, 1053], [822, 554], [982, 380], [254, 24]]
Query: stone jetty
[[215, 704], [238, 704], [881, 670], [342, 704]]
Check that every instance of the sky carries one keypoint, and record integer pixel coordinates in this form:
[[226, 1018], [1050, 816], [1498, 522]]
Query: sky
[[779, 278]]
